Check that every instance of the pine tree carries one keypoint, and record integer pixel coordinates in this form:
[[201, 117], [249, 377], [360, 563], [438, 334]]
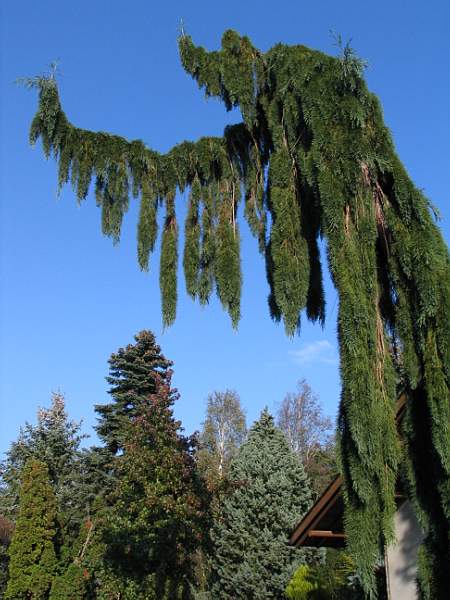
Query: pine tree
[[312, 152], [33, 562], [251, 555]]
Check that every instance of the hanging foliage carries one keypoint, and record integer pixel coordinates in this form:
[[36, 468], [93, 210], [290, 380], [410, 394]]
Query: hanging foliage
[[312, 152]]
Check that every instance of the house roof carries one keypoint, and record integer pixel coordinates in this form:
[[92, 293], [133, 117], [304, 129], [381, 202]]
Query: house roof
[[323, 524]]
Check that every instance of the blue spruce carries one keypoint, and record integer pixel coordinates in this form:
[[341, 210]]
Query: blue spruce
[[269, 493]]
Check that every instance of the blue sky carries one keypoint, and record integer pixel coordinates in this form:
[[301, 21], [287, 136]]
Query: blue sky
[[69, 297]]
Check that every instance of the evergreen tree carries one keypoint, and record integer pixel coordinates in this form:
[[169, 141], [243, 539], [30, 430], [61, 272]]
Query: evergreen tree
[[33, 562], [54, 440], [134, 373], [332, 579], [312, 152], [77, 579], [6, 531], [69, 585], [156, 514], [251, 555]]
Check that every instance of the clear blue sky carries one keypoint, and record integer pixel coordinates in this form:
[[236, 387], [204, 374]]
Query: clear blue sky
[[69, 298]]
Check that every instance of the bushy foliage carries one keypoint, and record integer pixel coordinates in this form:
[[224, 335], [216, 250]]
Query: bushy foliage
[[301, 585], [330, 579], [156, 513], [251, 556], [6, 531], [156, 521], [54, 440], [70, 585], [33, 563]]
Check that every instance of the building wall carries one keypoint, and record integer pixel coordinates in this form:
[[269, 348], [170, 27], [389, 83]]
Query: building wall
[[401, 558]]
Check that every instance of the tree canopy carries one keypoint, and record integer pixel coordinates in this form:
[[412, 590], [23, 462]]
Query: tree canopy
[[311, 158]]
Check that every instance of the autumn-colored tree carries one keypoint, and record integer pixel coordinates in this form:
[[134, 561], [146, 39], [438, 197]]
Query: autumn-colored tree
[[156, 521]]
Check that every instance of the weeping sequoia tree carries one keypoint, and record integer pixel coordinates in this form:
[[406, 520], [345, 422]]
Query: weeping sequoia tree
[[312, 158]]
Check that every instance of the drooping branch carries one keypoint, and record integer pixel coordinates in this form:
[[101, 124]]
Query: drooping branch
[[312, 158]]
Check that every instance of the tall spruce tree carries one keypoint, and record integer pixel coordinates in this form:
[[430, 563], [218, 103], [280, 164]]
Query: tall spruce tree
[[135, 372], [251, 557], [33, 563], [156, 515], [312, 151], [55, 440]]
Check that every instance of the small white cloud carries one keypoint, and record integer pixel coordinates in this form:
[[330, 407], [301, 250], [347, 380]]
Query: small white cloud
[[320, 351]]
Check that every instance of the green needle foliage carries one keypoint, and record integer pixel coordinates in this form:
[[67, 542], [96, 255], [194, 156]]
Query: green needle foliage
[[156, 516], [157, 520], [54, 440], [133, 375], [313, 154], [251, 557], [32, 558]]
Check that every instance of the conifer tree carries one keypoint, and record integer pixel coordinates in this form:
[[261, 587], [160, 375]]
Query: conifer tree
[[33, 562], [134, 373], [6, 531], [313, 153], [251, 557], [55, 440], [156, 514], [76, 580]]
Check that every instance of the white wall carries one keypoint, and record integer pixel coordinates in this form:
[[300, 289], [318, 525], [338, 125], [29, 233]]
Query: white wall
[[401, 558]]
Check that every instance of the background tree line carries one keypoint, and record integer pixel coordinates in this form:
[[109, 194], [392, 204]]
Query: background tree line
[[151, 513]]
